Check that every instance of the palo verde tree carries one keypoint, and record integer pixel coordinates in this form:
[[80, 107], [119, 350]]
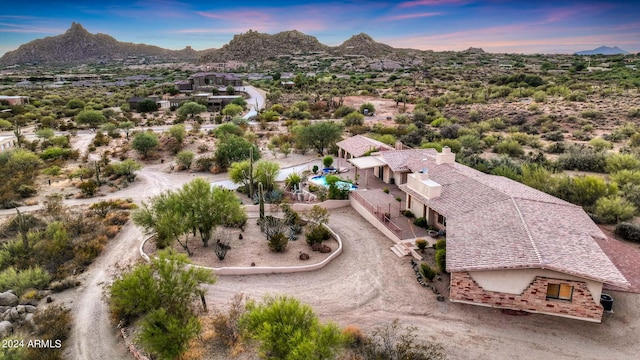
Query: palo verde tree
[[191, 108], [318, 136], [144, 142], [233, 148], [91, 117], [196, 208], [162, 293]]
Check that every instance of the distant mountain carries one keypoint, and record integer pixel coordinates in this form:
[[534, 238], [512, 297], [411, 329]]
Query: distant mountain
[[78, 46], [363, 44], [254, 46], [603, 50]]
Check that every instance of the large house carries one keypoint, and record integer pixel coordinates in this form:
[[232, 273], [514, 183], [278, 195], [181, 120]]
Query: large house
[[508, 245], [7, 142], [208, 80], [14, 100]]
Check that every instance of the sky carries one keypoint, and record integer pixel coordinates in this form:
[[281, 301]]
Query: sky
[[499, 26]]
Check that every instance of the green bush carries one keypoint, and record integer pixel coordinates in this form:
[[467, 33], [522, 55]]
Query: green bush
[[167, 335], [441, 244], [317, 234], [343, 110], [422, 244], [278, 242], [421, 221], [628, 231], [617, 162], [509, 147], [408, 213], [21, 280], [427, 272], [614, 209], [441, 259], [289, 330]]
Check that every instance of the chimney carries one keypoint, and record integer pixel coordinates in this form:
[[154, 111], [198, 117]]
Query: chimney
[[445, 157], [399, 145], [423, 174]]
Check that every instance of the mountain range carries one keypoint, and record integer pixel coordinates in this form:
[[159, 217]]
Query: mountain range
[[76, 46], [603, 50]]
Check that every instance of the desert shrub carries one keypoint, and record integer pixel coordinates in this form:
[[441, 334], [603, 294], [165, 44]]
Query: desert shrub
[[21, 280], [421, 221], [441, 259], [317, 234], [582, 159], [408, 213], [354, 118], [628, 231], [167, 335], [353, 335], [614, 209], [422, 244], [52, 324], [626, 177], [86, 251], [227, 324], [557, 148], [553, 136], [389, 341], [600, 144], [509, 147], [88, 188], [441, 244], [343, 110], [278, 242], [26, 190], [427, 272], [617, 162], [52, 170], [287, 329]]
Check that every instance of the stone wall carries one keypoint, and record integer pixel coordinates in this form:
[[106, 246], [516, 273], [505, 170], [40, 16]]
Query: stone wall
[[533, 299]]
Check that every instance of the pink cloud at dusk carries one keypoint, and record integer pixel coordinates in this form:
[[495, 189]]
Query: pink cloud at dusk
[[410, 16], [408, 4]]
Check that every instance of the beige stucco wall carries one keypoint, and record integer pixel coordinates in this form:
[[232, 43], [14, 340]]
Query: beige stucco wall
[[417, 208], [515, 281], [373, 220]]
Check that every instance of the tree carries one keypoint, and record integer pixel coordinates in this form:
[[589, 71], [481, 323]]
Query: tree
[[290, 330], [191, 108], [91, 117], [614, 209], [228, 129], [240, 101], [144, 142], [110, 129], [318, 136], [327, 161], [162, 293], [126, 126], [231, 110], [45, 133], [126, 168], [178, 132], [354, 118], [147, 105], [233, 148], [230, 90], [185, 159]]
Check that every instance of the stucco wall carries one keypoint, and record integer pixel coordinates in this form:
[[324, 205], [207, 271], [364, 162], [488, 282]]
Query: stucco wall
[[533, 299], [516, 281], [373, 220]]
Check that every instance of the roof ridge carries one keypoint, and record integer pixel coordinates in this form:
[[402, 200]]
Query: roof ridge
[[526, 229]]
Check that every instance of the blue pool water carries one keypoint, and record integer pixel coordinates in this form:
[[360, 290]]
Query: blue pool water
[[321, 180]]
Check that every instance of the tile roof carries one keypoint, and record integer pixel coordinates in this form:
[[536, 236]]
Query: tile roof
[[497, 223], [359, 145], [399, 160]]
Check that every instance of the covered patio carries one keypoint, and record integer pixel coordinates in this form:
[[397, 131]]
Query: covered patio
[[365, 163]]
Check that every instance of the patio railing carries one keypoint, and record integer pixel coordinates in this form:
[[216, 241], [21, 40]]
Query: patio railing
[[378, 213]]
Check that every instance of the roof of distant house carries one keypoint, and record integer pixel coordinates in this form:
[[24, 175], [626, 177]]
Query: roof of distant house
[[497, 223], [359, 145]]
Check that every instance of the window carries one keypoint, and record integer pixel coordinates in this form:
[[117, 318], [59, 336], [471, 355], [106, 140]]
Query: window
[[442, 220], [559, 291]]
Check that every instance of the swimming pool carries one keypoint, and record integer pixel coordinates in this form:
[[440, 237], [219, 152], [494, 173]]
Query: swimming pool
[[321, 180]]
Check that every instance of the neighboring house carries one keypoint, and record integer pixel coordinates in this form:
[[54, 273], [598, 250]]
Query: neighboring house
[[508, 245], [7, 142], [162, 104], [14, 100], [208, 80]]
